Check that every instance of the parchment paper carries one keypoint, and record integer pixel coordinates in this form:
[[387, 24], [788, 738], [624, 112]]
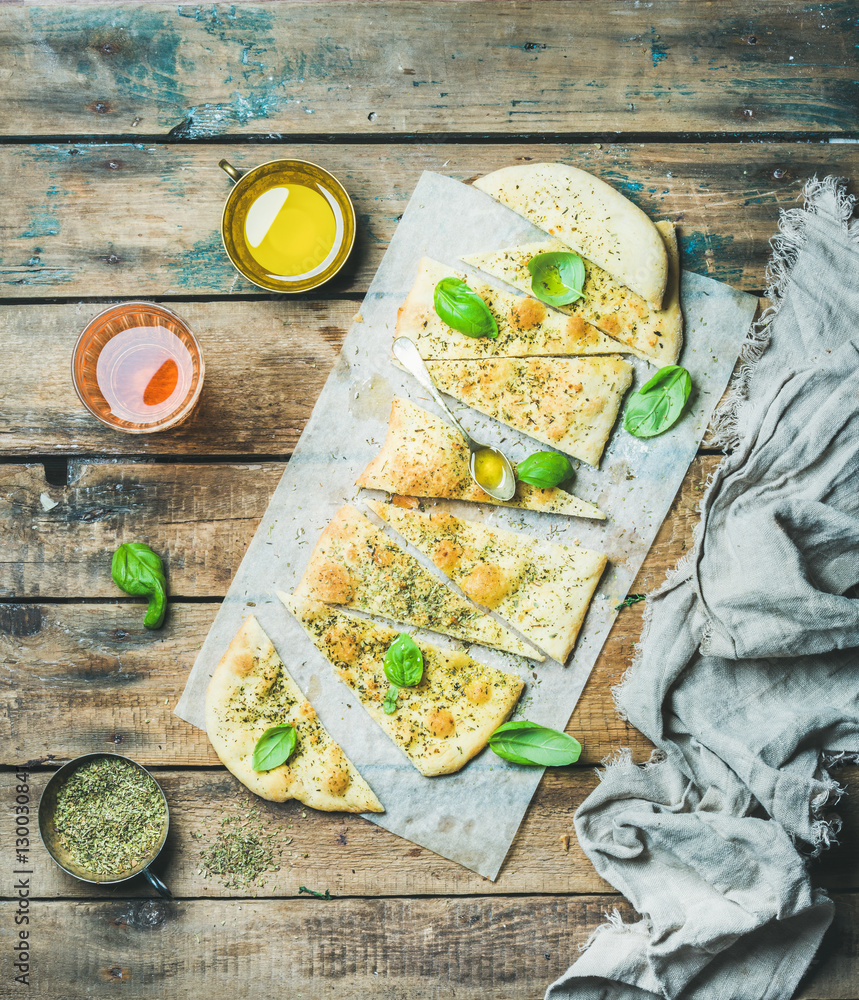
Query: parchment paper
[[470, 817]]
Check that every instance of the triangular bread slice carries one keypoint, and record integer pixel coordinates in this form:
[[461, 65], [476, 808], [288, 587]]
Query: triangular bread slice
[[589, 216], [439, 724], [357, 565], [653, 334], [250, 691], [423, 456], [542, 588], [568, 403], [526, 326]]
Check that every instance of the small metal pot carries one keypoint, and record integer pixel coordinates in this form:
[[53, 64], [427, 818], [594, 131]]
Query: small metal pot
[[50, 838]]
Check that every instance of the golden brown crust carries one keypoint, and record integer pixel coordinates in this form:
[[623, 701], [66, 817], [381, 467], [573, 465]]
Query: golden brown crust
[[653, 334], [568, 403], [543, 589], [356, 564], [520, 333], [250, 691], [437, 725], [589, 216], [423, 456]]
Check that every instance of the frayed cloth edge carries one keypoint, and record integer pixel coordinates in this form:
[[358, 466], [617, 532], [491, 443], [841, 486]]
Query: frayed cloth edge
[[825, 829], [830, 197], [614, 922]]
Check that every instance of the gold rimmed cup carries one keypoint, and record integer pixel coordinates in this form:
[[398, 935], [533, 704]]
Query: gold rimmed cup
[[61, 856], [138, 368], [288, 225]]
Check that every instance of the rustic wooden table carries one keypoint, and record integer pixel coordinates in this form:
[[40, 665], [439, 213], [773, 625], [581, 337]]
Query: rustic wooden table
[[113, 120]]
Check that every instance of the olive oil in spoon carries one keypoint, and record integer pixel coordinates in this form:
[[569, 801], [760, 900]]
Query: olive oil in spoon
[[489, 467]]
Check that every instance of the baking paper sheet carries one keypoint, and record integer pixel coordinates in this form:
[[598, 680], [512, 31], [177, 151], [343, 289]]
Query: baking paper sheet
[[470, 817]]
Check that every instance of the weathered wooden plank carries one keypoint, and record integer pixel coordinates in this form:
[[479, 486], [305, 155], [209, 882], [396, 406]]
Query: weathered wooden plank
[[353, 857], [266, 363], [143, 220], [425, 68], [486, 948], [97, 665], [199, 517]]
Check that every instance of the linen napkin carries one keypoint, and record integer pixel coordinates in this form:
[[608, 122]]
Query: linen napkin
[[746, 675]]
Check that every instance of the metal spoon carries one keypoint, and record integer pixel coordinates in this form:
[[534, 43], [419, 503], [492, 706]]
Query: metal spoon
[[482, 457]]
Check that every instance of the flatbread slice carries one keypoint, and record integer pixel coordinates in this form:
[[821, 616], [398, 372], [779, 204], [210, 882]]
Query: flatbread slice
[[542, 588], [357, 565], [526, 326], [250, 691], [423, 456], [568, 403], [442, 722], [653, 334], [589, 216]]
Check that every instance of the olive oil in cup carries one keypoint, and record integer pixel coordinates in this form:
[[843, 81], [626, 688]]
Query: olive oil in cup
[[288, 225]]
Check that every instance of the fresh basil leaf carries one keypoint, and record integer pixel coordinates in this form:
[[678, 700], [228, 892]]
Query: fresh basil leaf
[[404, 662], [529, 743], [389, 705], [544, 469], [136, 569], [464, 310], [659, 403], [274, 747], [557, 278]]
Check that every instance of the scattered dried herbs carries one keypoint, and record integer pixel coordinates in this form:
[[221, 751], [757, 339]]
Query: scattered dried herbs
[[109, 816], [243, 852]]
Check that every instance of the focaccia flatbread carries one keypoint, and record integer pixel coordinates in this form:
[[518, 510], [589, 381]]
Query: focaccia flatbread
[[357, 565], [250, 691], [542, 588], [526, 326], [653, 334], [589, 216], [568, 403], [423, 456], [441, 723]]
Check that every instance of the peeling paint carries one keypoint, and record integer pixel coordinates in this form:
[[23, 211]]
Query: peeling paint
[[213, 119], [658, 51]]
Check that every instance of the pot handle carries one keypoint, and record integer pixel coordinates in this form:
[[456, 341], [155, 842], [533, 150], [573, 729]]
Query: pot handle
[[157, 884], [230, 170]]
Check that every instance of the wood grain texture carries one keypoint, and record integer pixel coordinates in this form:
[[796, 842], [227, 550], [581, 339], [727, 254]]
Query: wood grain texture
[[198, 517], [199, 71], [266, 363], [353, 857], [473, 949], [120, 682], [138, 220]]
